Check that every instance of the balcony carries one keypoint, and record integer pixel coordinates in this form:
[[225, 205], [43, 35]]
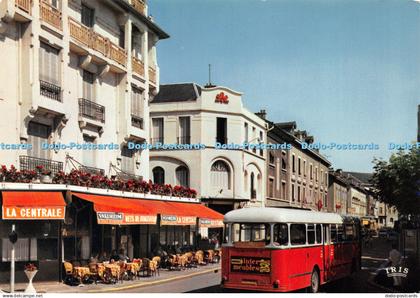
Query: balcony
[[50, 90], [184, 140], [152, 75], [92, 170], [154, 141], [91, 110], [136, 121], [50, 15], [30, 163], [93, 40], [138, 66], [139, 5], [24, 5]]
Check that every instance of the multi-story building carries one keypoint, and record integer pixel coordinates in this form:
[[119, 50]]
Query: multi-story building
[[296, 177], [77, 72], [201, 118], [337, 192]]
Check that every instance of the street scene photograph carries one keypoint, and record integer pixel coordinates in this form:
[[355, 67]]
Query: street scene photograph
[[220, 147]]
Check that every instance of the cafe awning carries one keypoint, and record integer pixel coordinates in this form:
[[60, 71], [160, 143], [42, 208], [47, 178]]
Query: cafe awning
[[36, 205], [119, 211]]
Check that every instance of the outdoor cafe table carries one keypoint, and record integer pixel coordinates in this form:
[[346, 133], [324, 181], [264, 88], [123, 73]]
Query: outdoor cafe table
[[133, 267], [81, 272]]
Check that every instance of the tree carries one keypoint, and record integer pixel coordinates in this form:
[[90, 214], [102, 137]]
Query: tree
[[398, 181]]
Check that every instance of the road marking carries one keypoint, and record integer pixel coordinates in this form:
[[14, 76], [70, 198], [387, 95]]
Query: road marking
[[151, 283]]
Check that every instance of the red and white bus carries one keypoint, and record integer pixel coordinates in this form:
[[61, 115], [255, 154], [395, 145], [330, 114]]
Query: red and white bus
[[284, 249]]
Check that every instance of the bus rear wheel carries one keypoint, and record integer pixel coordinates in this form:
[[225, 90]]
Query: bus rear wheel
[[314, 287]]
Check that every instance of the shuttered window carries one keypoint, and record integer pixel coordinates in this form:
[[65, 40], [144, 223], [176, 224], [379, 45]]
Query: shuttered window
[[89, 155], [127, 160], [220, 177], [137, 99], [157, 133], [49, 64], [87, 16], [38, 134], [88, 85], [182, 176]]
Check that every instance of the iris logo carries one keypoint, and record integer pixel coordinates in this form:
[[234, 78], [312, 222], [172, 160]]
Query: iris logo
[[396, 271]]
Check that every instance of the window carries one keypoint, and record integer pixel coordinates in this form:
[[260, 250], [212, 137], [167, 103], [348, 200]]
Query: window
[[121, 39], [88, 16], [283, 190], [297, 234], [316, 174], [137, 99], [25, 249], [304, 168], [271, 158], [318, 233], [246, 133], [333, 230], [157, 132], [298, 193], [311, 234], [221, 133], [349, 232], [49, 64], [220, 175], [325, 201], [182, 176], [322, 176], [280, 234], [251, 232], [326, 178], [252, 191], [271, 187], [254, 149], [283, 161], [340, 233], [88, 85], [261, 140], [184, 130], [158, 175], [299, 166], [293, 192], [311, 172], [127, 160], [293, 164], [89, 155], [37, 135]]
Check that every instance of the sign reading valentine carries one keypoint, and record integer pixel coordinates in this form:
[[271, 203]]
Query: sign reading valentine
[[222, 98]]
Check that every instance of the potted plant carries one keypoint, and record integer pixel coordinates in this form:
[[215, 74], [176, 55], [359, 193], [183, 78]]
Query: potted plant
[[30, 271], [46, 176]]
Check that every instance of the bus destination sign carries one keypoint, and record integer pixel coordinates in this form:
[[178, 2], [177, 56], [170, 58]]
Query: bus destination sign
[[250, 265]]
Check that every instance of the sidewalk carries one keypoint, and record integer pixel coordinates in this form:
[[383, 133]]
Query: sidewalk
[[165, 276]]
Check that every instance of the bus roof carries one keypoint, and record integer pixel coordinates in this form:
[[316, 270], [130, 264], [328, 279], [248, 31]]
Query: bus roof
[[286, 215]]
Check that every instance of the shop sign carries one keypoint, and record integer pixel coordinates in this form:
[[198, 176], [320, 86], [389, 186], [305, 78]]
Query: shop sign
[[118, 218], [10, 212], [210, 223], [177, 220], [250, 265]]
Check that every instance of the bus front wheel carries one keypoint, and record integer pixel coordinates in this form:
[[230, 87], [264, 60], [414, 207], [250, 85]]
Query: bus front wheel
[[314, 287]]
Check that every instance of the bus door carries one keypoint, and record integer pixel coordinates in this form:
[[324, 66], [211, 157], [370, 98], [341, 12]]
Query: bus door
[[327, 252]]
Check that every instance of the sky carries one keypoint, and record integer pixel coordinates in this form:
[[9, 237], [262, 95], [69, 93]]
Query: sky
[[344, 70]]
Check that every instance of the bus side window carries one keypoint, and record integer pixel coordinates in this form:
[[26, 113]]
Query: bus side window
[[280, 234], [327, 238], [318, 234], [311, 234], [349, 232], [297, 234], [333, 229], [340, 233]]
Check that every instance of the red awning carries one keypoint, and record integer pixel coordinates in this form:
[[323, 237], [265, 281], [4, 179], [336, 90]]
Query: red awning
[[119, 211], [33, 205]]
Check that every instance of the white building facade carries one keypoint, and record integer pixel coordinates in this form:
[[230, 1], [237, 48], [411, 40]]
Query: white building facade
[[79, 72], [190, 114]]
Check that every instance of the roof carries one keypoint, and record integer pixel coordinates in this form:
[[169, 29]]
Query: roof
[[286, 215], [177, 93], [363, 177], [150, 24]]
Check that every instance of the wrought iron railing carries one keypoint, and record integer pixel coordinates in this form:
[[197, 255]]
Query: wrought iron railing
[[184, 140], [92, 170], [91, 110], [127, 176], [30, 163], [137, 121], [50, 90]]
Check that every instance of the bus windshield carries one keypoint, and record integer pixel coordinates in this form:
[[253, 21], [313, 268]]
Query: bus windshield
[[250, 232]]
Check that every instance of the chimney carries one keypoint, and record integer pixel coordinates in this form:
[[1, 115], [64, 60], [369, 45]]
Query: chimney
[[262, 114]]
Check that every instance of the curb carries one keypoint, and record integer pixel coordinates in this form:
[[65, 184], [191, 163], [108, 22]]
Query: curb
[[151, 283]]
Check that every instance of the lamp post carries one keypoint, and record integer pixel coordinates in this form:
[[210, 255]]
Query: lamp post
[[13, 238]]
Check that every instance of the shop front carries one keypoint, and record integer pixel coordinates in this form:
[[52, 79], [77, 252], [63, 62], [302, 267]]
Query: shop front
[[37, 217]]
